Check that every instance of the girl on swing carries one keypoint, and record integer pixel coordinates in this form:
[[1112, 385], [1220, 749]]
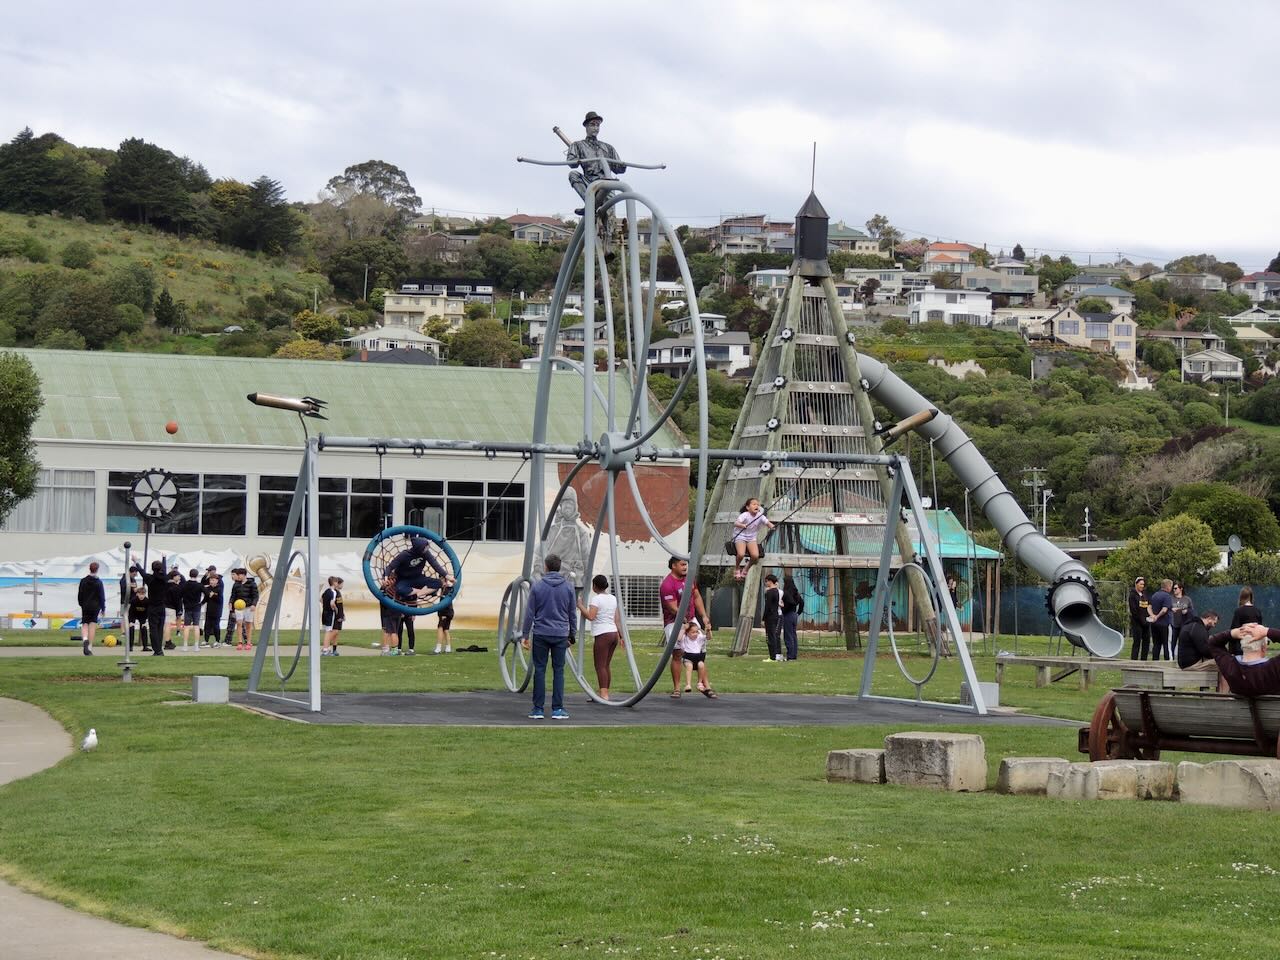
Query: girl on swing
[[745, 541]]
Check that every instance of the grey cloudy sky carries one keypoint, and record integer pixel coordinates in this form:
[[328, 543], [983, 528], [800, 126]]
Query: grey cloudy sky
[[1145, 127]]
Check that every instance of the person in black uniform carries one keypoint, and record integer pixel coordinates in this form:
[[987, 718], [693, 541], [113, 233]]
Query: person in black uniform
[[138, 616], [157, 586], [773, 616], [173, 608], [1247, 612], [192, 596], [331, 616], [92, 597], [411, 584], [213, 608], [1139, 625]]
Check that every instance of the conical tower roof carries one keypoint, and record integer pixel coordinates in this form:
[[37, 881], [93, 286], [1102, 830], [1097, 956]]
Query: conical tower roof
[[811, 239]]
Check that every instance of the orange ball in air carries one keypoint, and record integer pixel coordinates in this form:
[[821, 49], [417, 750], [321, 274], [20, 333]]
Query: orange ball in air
[[171, 426]]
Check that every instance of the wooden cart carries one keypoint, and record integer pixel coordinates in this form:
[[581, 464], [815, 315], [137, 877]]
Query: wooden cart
[[1132, 723]]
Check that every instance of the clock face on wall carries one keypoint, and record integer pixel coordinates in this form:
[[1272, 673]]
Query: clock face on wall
[[154, 494]]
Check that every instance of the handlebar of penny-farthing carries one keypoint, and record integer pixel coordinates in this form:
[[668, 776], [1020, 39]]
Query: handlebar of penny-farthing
[[586, 160]]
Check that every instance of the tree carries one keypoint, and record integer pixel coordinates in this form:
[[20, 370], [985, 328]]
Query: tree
[[378, 259], [879, 228], [318, 326], [1263, 405], [305, 349], [77, 255], [868, 290], [168, 312], [378, 179], [264, 221], [20, 403], [1180, 548], [1227, 511], [945, 280], [1019, 253], [84, 306], [484, 343], [24, 174], [1093, 305], [1159, 355], [144, 183], [1250, 566], [1274, 265]]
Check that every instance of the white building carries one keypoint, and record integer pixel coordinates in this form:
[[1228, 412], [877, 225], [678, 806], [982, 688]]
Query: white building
[[1215, 365], [103, 421], [411, 309], [932, 305], [1259, 287], [730, 353], [381, 339], [1120, 301], [713, 324]]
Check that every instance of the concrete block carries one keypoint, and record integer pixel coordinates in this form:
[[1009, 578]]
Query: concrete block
[[1247, 784], [210, 689], [990, 693], [1113, 780], [940, 761], [1028, 775], [856, 766]]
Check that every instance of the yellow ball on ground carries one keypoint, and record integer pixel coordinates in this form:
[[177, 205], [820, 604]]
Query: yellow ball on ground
[[109, 640], [239, 604]]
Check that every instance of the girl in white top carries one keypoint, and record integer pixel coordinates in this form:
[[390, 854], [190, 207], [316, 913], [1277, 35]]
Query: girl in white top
[[603, 616], [745, 531], [693, 642]]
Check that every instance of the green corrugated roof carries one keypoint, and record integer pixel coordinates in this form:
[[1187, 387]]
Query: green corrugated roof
[[129, 397], [954, 543]]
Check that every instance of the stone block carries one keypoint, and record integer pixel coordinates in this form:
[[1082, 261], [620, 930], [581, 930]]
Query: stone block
[[1247, 784], [990, 693], [205, 689], [1027, 775], [940, 761], [856, 766], [1113, 780]]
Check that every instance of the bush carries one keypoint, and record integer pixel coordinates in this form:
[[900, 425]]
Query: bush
[[77, 255], [1180, 548], [1198, 415]]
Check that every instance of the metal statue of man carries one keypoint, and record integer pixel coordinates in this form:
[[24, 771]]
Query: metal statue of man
[[595, 159]]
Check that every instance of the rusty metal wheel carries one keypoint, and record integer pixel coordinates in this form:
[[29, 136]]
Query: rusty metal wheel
[[1109, 738]]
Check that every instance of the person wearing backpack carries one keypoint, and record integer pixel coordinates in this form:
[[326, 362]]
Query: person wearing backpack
[[792, 607]]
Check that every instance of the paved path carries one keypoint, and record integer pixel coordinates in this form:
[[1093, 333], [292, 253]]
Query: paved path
[[39, 929], [72, 649]]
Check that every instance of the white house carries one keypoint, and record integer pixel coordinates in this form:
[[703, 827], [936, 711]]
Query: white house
[[950, 306], [663, 288], [768, 283], [1089, 277], [1218, 365], [412, 308], [1254, 315], [1209, 282], [713, 324], [387, 337], [1259, 287], [1004, 281], [574, 337], [949, 258], [1029, 320], [730, 353], [894, 281], [1120, 301], [1113, 333]]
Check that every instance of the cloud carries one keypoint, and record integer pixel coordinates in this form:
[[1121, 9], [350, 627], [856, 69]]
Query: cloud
[[1084, 126]]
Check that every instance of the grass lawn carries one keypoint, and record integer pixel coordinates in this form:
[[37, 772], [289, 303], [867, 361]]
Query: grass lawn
[[285, 840]]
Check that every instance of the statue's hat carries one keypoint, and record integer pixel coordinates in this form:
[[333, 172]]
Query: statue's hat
[[592, 115]]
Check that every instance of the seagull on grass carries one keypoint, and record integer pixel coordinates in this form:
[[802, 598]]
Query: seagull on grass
[[90, 740]]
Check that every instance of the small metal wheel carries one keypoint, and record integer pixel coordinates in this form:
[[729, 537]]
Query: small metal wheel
[[1109, 738]]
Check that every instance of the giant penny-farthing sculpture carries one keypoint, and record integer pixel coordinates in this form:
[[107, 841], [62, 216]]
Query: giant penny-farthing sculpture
[[617, 421]]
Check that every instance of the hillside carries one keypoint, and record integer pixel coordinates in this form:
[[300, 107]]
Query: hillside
[[219, 286]]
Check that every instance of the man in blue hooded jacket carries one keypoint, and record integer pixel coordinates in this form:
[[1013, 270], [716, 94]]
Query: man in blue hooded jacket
[[551, 621]]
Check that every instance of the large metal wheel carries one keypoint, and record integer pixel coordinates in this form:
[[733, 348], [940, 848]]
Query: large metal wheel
[[616, 420], [512, 660], [936, 646]]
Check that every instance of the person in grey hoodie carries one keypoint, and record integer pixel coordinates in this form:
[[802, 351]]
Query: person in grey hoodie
[[550, 621]]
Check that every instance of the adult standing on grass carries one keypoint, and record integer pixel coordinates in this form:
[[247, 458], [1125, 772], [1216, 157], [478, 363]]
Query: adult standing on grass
[[1181, 610], [773, 616], [669, 592], [1246, 612], [792, 606], [157, 585], [92, 597], [1161, 601], [1139, 625], [602, 614], [549, 623]]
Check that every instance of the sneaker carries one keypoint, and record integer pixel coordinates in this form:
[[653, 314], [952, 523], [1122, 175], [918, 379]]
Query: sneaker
[[537, 715], [448, 649], [780, 658], [184, 648], [335, 651], [437, 650], [86, 651], [411, 653], [393, 653], [559, 715], [168, 645]]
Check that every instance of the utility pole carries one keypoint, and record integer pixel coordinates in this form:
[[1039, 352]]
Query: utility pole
[[1086, 524], [1047, 495], [1035, 482], [365, 296]]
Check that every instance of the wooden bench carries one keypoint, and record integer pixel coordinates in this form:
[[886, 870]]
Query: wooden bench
[[1052, 669], [1132, 723], [1154, 676]]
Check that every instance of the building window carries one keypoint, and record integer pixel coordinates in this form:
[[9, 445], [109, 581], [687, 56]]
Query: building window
[[953, 298], [62, 503], [1097, 331], [467, 510], [934, 316], [1123, 329], [1069, 328], [1123, 346], [353, 508], [212, 504]]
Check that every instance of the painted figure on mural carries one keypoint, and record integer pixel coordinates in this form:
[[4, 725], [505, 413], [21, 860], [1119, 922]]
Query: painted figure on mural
[[570, 539]]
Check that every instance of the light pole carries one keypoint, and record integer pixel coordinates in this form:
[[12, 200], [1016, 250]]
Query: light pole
[[1047, 494], [365, 295]]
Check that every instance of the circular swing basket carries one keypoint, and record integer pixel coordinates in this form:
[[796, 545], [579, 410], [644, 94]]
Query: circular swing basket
[[386, 546]]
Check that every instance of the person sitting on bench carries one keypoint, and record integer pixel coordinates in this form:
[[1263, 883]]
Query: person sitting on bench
[[1253, 675], [1193, 642]]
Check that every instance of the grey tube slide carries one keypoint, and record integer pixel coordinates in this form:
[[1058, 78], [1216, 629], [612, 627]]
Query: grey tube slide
[[1072, 598]]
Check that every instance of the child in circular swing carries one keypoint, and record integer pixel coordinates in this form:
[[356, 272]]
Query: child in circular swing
[[745, 541]]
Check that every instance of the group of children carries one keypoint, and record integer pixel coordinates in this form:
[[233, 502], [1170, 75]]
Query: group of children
[[172, 604]]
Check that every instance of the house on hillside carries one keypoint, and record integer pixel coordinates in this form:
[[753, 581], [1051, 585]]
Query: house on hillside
[[1120, 301], [1209, 282], [1258, 342], [527, 228], [1016, 286], [1213, 365], [389, 337], [932, 305], [730, 353], [471, 291], [948, 258], [894, 282], [1258, 287], [840, 236], [1185, 341], [574, 337], [713, 324], [1088, 277], [407, 309], [1112, 333], [1254, 315]]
